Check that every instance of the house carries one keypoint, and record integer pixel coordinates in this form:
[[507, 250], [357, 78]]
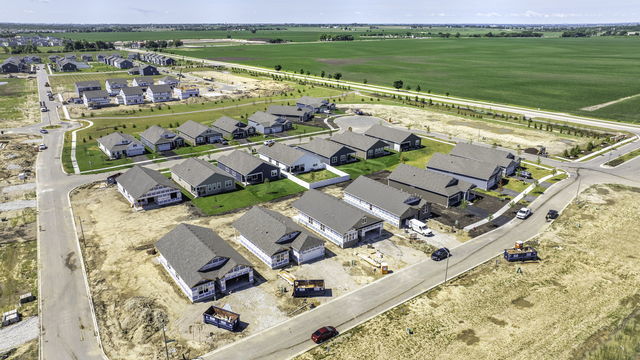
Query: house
[[292, 113], [113, 86], [158, 93], [366, 147], [434, 187], [142, 81], [123, 63], [168, 80], [315, 104], [134, 71], [67, 65], [201, 262], [159, 139], [334, 219], [195, 133], [233, 128], [186, 91], [95, 99], [329, 152], [82, 86], [290, 159], [399, 140], [86, 57], [117, 145], [392, 205], [130, 96], [248, 169], [269, 124], [507, 161], [276, 239], [145, 188], [10, 65], [482, 174], [201, 178], [148, 70]]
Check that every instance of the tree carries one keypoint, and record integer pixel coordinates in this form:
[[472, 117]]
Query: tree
[[278, 67], [398, 84], [364, 81], [322, 73], [418, 88], [337, 76]]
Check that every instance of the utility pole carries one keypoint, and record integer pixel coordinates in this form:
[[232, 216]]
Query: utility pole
[[84, 242], [164, 338], [446, 269]]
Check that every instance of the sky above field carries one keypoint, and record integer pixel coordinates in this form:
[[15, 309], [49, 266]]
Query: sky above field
[[326, 11]]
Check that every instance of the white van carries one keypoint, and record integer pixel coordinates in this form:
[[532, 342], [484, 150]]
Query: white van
[[420, 227]]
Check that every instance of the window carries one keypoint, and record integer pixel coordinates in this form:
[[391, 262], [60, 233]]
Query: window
[[228, 183], [370, 152], [274, 173], [321, 227], [334, 159]]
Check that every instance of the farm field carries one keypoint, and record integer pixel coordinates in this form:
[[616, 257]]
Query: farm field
[[18, 102], [539, 312], [555, 74]]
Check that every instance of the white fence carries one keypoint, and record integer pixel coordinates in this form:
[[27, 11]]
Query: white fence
[[342, 177]]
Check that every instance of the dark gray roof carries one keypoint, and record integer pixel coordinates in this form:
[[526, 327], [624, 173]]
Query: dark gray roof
[[146, 79], [117, 140], [463, 166], [388, 133], [264, 228], [139, 180], [429, 180], [483, 153], [357, 141], [332, 212], [90, 83], [265, 119], [158, 135], [159, 88], [130, 91], [393, 200], [188, 248], [242, 162], [284, 110], [282, 153], [312, 101], [323, 147], [96, 94], [197, 172], [117, 81], [168, 78], [227, 124], [193, 129]]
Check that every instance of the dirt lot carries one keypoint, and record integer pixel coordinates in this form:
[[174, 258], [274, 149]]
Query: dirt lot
[[132, 301], [19, 103], [476, 130], [562, 307]]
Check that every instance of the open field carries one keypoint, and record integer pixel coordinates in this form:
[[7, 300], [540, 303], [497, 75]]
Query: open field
[[565, 74], [18, 102], [565, 306]]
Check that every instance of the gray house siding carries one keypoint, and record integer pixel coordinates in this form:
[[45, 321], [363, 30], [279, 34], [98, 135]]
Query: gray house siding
[[255, 176], [481, 183], [428, 196]]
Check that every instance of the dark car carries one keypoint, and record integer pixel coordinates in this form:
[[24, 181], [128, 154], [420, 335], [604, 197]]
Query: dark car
[[44, 131], [552, 215], [323, 334], [440, 254]]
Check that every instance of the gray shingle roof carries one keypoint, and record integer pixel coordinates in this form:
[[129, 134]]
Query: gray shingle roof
[[197, 172], [227, 124], [388, 133], [117, 81], [242, 162], [332, 212], [264, 119], [429, 180], [284, 110], [168, 79], [463, 166], [193, 129], [357, 141], [139, 180], [145, 79], [115, 140], [158, 135], [159, 88], [187, 248], [281, 153], [90, 83], [131, 91], [393, 200], [323, 147], [96, 94], [483, 153], [312, 101], [264, 228]]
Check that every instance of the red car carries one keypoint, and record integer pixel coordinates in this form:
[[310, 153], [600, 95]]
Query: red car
[[323, 334]]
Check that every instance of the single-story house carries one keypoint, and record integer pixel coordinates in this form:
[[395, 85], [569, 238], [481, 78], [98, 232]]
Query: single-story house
[[195, 133], [315, 104], [399, 140], [186, 91], [143, 81], [269, 124], [329, 152], [276, 239], [392, 205], [131, 96], [95, 98], [160, 139], [434, 187], [67, 65], [148, 70], [233, 128], [336, 220], [168, 80], [10, 66], [292, 113], [117, 145], [507, 161], [145, 188], [482, 174], [123, 63], [86, 57], [158, 93], [290, 159], [82, 86], [366, 147], [113, 86], [134, 71], [201, 178], [248, 169], [201, 262]]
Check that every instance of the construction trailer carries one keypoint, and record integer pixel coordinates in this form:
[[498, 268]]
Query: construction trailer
[[221, 318], [306, 288], [520, 253]]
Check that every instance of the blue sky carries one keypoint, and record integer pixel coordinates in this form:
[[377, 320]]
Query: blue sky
[[326, 11]]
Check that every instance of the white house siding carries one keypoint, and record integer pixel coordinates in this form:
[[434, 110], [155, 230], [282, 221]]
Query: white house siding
[[161, 194], [373, 210], [273, 262], [174, 275], [308, 161], [133, 100], [308, 255], [346, 240], [160, 97], [239, 270], [164, 147]]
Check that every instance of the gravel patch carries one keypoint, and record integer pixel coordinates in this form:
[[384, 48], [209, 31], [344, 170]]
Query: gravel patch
[[17, 205], [19, 333], [21, 187]]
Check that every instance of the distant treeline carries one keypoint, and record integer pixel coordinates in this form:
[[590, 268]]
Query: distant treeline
[[518, 34], [87, 45], [21, 49], [336, 37]]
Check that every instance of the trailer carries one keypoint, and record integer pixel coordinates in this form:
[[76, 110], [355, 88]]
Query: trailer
[[221, 318], [520, 253], [305, 288], [384, 268]]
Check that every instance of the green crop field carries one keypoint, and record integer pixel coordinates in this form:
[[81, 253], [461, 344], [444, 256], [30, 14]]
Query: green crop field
[[556, 74]]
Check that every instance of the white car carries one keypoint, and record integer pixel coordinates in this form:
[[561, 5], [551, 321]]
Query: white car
[[523, 213], [269, 142], [42, 147]]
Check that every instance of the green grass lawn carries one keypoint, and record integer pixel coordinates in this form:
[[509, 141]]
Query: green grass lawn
[[624, 158], [14, 96], [536, 172], [315, 176], [248, 196], [566, 74]]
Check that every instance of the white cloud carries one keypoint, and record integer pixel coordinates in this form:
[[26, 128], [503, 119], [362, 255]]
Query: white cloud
[[489, 14]]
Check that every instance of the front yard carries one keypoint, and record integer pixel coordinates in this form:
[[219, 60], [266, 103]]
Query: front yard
[[314, 176]]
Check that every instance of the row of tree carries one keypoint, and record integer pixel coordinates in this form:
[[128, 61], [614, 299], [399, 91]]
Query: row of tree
[[336, 37], [21, 49], [162, 44], [87, 46]]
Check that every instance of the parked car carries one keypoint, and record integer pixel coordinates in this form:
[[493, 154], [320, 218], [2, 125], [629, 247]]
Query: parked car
[[44, 109], [44, 131], [523, 213], [440, 254], [323, 334], [42, 147], [526, 174], [552, 215], [420, 227], [269, 142], [46, 84]]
